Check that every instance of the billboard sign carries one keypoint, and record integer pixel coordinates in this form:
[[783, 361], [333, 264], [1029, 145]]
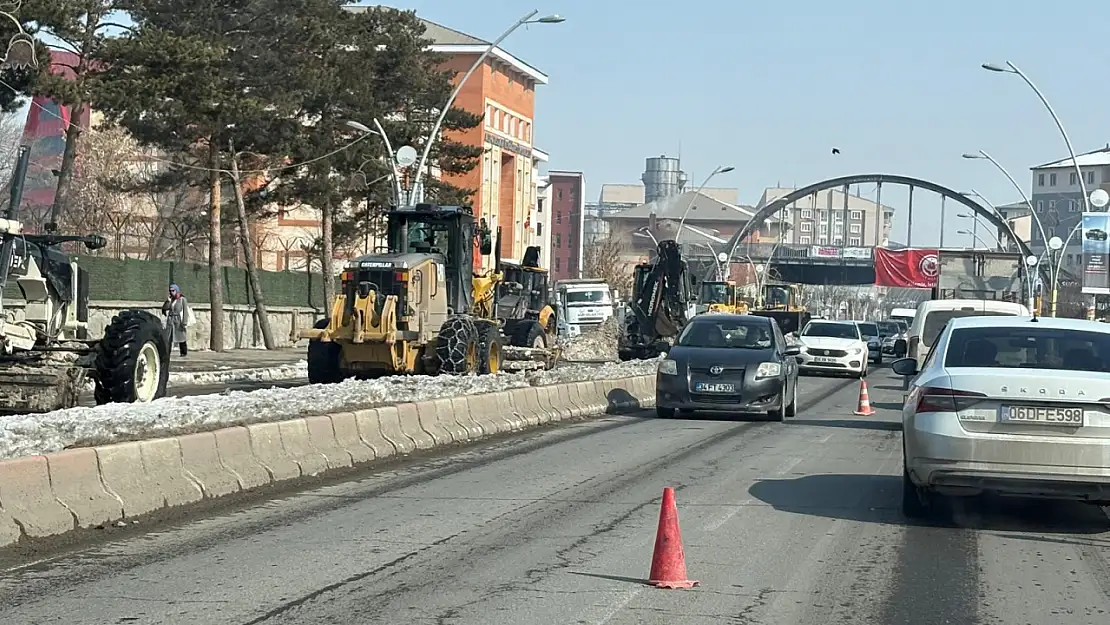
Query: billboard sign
[[1096, 253]]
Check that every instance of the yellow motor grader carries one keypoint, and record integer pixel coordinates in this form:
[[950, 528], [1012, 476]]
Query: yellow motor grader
[[418, 306]]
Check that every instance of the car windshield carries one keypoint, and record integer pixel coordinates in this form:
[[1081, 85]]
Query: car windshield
[[832, 330], [887, 328], [599, 297], [868, 329], [727, 333], [936, 320], [1029, 347]]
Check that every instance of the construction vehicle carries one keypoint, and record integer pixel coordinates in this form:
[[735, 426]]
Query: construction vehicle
[[780, 302], [46, 357], [660, 305], [584, 304], [721, 297], [523, 304], [418, 307]]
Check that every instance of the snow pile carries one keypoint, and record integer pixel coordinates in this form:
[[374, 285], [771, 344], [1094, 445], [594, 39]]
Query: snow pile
[[25, 435], [291, 371], [597, 344]]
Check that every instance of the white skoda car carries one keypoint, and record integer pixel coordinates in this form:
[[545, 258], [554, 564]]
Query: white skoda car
[[1009, 405], [832, 347]]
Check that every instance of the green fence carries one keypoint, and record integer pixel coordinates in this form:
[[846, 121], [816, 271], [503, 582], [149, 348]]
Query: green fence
[[147, 280]]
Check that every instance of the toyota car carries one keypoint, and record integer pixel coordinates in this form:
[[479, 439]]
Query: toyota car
[[833, 347], [1010, 405], [729, 363]]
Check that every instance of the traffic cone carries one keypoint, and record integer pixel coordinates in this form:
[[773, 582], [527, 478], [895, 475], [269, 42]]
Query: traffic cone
[[864, 409], [668, 562]]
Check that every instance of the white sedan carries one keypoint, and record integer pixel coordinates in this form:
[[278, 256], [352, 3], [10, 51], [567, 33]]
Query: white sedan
[[832, 347], [1010, 405]]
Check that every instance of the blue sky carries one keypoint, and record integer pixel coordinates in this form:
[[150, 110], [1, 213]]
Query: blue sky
[[772, 87]]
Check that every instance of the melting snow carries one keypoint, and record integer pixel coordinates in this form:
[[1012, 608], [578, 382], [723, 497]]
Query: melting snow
[[25, 435], [594, 345], [291, 371]]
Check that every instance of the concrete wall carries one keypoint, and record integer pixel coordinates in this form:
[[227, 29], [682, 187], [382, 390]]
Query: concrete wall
[[241, 331]]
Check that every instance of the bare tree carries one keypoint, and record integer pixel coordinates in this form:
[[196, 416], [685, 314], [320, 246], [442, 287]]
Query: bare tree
[[255, 279], [11, 135], [605, 260]]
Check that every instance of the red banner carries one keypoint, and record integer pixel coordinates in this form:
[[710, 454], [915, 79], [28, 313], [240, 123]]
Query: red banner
[[907, 268]]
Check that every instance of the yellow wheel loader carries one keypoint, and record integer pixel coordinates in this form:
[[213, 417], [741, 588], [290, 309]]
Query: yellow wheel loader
[[417, 306], [721, 297]]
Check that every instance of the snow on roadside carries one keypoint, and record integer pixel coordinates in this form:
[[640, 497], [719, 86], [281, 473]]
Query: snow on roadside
[[597, 344], [26, 435], [291, 371]]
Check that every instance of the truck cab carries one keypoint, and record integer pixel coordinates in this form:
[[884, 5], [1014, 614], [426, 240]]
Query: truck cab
[[583, 305]]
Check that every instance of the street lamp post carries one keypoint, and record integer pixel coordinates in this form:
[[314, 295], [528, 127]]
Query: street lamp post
[[1010, 68], [1029, 203], [378, 130], [416, 193], [721, 169]]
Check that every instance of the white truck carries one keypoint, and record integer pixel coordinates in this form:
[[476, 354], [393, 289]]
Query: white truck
[[582, 304]]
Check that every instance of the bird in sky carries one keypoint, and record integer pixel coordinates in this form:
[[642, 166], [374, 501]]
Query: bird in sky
[[836, 150]]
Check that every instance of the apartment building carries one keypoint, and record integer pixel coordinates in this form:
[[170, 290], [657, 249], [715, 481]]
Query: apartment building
[[828, 217]]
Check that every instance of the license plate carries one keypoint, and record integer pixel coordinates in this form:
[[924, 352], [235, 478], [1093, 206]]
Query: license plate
[[1047, 415], [713, 387], [823, 359]]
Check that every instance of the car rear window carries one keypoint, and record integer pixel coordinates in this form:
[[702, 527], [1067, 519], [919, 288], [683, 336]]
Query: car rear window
[[869, 329], [887, 328], [936, 320], [1029, 347]]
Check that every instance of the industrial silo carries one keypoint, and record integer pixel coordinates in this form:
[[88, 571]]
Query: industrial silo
[[662, 178]]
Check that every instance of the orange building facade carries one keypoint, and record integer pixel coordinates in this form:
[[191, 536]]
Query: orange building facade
[[503, 92]]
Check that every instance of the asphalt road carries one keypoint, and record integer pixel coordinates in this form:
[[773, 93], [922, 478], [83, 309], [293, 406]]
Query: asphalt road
[[783, 524]]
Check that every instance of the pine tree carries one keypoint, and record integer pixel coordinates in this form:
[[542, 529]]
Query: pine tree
[[358, 66], [189, 77]]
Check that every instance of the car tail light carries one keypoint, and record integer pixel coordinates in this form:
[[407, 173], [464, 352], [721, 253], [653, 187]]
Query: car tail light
[[933, 399]]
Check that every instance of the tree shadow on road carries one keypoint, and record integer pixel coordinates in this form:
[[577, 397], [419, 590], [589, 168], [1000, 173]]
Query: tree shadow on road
[[877, 499], [852, 424]]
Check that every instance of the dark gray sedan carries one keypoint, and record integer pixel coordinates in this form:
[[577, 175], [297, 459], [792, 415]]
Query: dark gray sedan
[[729, 363]]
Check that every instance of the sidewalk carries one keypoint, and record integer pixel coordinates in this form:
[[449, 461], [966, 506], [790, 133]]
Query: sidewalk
[[237, 365]]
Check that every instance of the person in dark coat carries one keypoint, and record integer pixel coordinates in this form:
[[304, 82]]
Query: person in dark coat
[[178, 318]]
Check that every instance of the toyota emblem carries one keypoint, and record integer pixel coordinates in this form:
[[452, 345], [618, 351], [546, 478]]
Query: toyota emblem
[[716, 369]]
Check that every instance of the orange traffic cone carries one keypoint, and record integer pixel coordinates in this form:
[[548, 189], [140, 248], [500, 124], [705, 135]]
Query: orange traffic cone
[[668, 563], [864, 409]]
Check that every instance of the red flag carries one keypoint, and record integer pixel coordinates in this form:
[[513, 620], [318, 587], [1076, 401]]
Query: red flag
[[915, 268]]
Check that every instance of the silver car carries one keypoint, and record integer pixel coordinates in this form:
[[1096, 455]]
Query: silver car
[[1010, 405]]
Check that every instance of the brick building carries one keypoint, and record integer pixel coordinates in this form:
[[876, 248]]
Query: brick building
[[567, 190]]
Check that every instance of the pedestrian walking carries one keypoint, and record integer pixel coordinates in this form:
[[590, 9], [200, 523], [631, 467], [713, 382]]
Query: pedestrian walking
[[178, 318]]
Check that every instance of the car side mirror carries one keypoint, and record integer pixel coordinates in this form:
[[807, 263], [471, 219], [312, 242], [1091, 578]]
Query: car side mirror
[[904, 366], [792, 350]]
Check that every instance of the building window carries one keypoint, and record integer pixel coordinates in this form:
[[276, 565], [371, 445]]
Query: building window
[[839, 228], [1040, 205], [1052, 180], [824, 229], [1073, 206], [855, 229], [822, 240], [806, 226], [807, 213], [1040, 180], [838, 241], [558, 217], [857, 216], [559, 194], [558, 240], [1073, 179], [854, 241], [1052, 205], [539, 228], [824, 215], [838, 216], [1090, 177], [806, 240], [557, 267]]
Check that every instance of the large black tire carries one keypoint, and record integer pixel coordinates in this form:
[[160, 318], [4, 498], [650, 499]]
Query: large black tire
[[457, 346], [489, 348], [132, 362], [324, 359], [529, 334]]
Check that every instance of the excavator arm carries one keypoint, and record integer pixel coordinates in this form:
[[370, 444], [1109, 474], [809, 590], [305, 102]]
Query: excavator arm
[[659, 302]]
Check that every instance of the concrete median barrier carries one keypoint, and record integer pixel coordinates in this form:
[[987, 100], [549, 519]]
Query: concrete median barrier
[[43, 496]]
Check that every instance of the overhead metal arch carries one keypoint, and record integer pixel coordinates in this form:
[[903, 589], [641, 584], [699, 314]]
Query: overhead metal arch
[[770, 209]]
